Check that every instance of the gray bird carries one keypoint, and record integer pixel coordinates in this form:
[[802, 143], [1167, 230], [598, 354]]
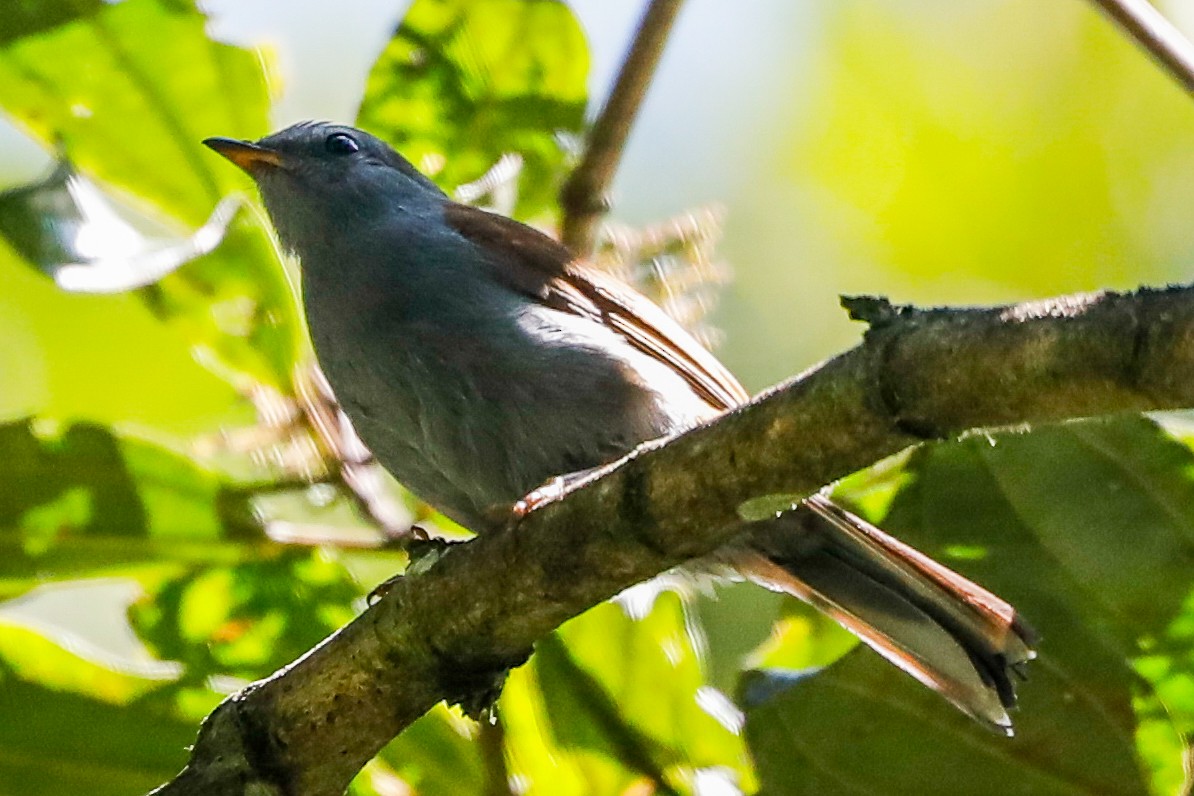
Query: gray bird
[[478, 358]]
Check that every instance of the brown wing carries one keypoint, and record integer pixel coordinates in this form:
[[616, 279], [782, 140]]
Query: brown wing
[[541, 267]]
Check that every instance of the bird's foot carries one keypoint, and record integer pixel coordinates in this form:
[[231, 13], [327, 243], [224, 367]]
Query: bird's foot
[[423, 551], [555, 488], [538, 497]]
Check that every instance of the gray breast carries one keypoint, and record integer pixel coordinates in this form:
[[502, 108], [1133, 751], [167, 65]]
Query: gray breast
[[472, 414]]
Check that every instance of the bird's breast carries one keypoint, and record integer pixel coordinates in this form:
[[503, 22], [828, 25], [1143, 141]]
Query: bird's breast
[[472, 404]]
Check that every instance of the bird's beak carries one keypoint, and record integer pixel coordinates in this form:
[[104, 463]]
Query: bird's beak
[[249, 156]]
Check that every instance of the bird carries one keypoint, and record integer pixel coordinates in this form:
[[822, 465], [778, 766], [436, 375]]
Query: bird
[[479, 358]]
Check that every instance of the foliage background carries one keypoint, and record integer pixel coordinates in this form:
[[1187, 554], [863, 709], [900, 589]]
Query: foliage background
[[925, 149]]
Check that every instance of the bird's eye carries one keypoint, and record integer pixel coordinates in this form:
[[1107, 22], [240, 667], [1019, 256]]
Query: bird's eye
[[341, 144]]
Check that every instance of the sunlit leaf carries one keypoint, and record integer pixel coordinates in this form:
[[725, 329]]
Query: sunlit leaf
[[72, 725], [614, 700], [127, 91], [88, 243], [30, 656], [29, 17], [463, 83], [1088, 529], [236, 307], [80, 501], [438, 755], [248, 619]]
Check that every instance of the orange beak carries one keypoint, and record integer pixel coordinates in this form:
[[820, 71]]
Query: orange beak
[[249, 156]]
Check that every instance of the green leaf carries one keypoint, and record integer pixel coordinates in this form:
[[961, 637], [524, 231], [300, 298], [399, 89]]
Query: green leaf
[[863, 727], [612, 700], [249, 619], [438, 755], [128, 91], [237, 309], [1088, 529], [67, 227], [83, 502], [75, 726], [28, 655], [80, 501], [465, 81], [29, 17]]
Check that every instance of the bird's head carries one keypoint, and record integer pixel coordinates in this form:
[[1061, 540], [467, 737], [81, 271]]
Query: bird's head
[[317, 176]]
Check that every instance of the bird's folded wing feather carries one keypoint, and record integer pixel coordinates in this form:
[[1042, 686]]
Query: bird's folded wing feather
[[538, 266]]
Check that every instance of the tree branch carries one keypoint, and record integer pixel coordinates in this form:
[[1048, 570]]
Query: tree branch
[[1156, 34], [451, 631], [583, 197]]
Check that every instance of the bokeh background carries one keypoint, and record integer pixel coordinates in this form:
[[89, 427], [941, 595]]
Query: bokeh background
[[933, 151]]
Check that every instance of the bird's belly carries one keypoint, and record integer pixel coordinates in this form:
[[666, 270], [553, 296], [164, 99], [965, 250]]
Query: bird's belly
[[473, 421]]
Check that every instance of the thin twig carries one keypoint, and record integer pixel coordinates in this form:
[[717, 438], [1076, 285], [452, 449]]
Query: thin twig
[[491, 735], [583, 197], [1187, 768], [1156, 34]]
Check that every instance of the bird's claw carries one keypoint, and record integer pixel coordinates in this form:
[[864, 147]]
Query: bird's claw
[[422, 550], [381, 590]]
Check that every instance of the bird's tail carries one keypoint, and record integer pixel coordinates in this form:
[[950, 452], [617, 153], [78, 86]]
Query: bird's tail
[[947, 632]]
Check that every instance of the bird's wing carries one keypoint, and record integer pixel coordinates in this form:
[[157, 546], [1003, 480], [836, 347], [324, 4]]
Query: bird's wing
[[541, 267]]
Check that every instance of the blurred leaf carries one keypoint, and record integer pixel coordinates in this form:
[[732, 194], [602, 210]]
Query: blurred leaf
[[613, 700], [248, 619], [902, 740], [237, 309], [56, 347], [65, 226], [127, 92], [802, 639], [29, 17], [464, 82], [438, 755], [735, 619], [28, 655], [82, 502], [1088, 529], [74, 726]]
